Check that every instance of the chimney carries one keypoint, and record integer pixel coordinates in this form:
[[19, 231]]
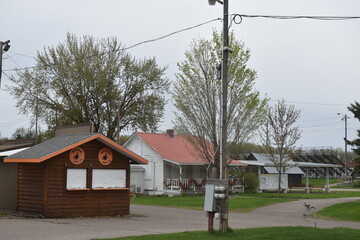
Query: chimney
[[74, 129], [170, 133]]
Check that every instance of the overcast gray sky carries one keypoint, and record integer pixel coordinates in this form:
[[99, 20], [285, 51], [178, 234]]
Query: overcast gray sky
[[311, 64]]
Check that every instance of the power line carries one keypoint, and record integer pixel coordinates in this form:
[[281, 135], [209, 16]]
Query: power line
[[135, 45], [170, 34], [316, 103], [6, 124], [317, 120], [20, 54], [326, 18], [322, 125], [324, 130], [10, 57]]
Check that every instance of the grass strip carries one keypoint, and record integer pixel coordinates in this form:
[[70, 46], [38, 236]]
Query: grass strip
[[238, 204], [270, 233], [348, 211], [332, 194], [319, 181]]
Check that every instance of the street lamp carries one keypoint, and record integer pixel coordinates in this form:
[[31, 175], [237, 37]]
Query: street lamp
[[4, 46], [212, 2], [345, 118]]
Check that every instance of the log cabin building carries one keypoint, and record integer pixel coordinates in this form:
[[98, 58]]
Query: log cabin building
[[81, 175]]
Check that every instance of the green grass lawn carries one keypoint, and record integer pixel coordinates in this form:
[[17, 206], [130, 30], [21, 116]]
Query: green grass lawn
[[273, 233], [332, 194], [238, 204], [349, 211], [356, 185], [320, 181]]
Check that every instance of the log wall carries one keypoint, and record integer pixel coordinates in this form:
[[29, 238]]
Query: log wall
[[51, 198]]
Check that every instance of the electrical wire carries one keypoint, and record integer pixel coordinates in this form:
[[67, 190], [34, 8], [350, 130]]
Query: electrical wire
[[9, 123], [135, 45], [324, 130], [238, 18], [314, 103], [10, 57], [322, 125], [235, 18], [173, 33], [20, 54], [317, 120], [326, 18]]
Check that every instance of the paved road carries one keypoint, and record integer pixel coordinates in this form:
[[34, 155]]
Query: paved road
[[153, 220]]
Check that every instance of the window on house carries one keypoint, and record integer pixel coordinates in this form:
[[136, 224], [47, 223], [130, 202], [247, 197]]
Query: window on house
[[76, 178], [108, 178]]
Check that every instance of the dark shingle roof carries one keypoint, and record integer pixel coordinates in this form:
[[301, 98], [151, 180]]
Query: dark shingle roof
[[60, 144], [51, 146]]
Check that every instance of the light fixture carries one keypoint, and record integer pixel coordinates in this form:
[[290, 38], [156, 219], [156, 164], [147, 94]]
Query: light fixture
[[6, 45], [212, 2]]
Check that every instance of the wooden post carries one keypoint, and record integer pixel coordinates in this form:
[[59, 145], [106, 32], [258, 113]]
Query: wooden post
[[210, 221], [307, 181], [327, 181]]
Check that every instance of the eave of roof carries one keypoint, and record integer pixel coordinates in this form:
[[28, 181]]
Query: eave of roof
[[324, 165], [237, 163], [11, 152], [174, 149], [61, 144]]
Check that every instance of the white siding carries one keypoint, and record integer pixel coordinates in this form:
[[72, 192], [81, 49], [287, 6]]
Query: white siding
[[271, 181], [154, 173], [137, 178]]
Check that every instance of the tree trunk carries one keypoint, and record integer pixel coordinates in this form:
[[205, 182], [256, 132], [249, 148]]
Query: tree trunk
[[279, 186]]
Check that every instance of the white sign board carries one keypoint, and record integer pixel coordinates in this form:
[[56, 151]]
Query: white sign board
[[76, 178], [108, 178]]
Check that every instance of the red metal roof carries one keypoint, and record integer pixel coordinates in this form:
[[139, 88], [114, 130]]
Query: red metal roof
[[176, 149]]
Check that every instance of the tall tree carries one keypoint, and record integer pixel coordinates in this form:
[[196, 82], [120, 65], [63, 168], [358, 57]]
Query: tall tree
[[279, 135], [355, 109], [90, 80], [197, 96], [22, 133]]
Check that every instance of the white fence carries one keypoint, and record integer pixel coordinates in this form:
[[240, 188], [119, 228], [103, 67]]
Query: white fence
[[194, 185]]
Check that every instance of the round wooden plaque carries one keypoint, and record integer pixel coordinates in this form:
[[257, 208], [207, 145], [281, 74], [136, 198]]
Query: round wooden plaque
[[105, 156]]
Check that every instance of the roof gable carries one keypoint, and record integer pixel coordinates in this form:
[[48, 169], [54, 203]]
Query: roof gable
[[176, 149], [261, 159], [60, 144]]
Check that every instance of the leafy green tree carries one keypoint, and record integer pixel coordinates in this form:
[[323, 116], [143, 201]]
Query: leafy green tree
[[197, 96], [355, 109], [90, 80]]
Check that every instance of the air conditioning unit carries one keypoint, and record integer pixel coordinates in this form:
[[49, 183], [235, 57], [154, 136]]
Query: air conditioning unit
[[138, 189]]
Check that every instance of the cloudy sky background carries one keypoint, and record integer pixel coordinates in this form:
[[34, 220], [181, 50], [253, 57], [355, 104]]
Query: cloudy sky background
[[311, 64]]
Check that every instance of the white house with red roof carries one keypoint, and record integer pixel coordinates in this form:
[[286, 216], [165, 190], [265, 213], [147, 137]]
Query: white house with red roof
[[173, 164]]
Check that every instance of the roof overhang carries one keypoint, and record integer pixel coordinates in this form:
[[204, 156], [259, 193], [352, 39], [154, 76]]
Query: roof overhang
[[253, 163], [134, 157], [237, 163], [185, 164], [11, 152], [296, 164], [319, 165]]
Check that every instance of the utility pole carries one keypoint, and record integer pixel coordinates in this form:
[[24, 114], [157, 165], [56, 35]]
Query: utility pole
[[224, 90], [4, 46], [345, 118], [345, 140], [223, 223]]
